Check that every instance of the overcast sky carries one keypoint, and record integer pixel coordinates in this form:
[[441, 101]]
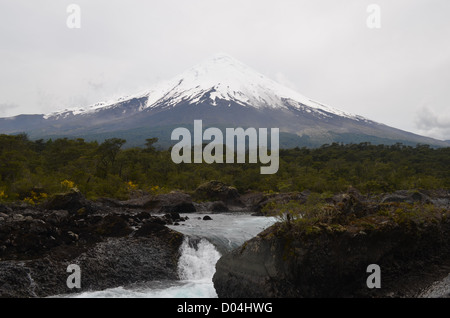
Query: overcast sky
[[398, 74]]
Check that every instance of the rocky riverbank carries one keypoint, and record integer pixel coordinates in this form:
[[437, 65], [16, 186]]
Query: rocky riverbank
[[406, 233], [118, 243], [112, 246], [114, 242]]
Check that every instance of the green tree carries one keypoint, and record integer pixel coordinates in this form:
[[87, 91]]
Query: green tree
[[108, 152]]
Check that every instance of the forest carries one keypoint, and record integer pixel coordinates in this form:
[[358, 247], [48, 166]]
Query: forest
[[32, 170]]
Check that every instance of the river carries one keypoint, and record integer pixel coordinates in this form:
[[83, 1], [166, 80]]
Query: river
[[204, 243]]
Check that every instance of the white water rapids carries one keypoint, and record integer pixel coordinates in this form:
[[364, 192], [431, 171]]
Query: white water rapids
[[204, 243]]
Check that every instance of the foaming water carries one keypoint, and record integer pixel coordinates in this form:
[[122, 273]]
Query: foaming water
[[204, 243], [172, 290], [197, 262]]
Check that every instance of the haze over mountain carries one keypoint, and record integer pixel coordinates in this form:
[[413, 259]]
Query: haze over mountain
[[222, 92]]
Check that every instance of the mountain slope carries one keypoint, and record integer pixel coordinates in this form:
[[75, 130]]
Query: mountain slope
[[223, 92]]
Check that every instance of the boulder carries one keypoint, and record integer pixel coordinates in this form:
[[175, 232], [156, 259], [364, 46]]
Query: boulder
[[406, 197], [143, 215], [151, 228], [218, 191], [174, 202], [184, 207], [217, 207], [5, 209], [72, 202], [173, 217], [57, 217]]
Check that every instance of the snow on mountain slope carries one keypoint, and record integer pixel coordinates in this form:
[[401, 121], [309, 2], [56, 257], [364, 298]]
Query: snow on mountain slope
[[219, 78], [93, 108], [225, 78]]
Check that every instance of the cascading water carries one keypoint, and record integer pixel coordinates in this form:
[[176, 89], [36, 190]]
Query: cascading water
[[204, 243], [197, 262]]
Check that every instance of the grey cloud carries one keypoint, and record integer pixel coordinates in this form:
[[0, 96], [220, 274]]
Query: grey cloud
[[437, 125], [7, 107]]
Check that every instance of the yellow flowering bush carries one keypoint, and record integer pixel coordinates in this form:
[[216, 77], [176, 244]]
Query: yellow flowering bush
[[29, 201], [67, 184], [3, 195], [35, 198], [131, 185], [155, 189]]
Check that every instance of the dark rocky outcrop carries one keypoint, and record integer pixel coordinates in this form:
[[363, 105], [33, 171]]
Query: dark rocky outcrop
[[113, 247], [73, 202], [5, 209], [406, 196], [257, 201], [213, 196], [175, 201], [113, 226], [217, 207], [333, 265], [178, 202], [218, 191], [111, 263], [330, 258]]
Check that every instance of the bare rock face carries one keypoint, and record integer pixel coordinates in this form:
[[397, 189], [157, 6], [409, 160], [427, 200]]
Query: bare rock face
[[111, 263], [112, 246], [330, 259], [332, 265]]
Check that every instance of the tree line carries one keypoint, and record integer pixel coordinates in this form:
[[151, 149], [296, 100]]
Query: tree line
[[30, 171]]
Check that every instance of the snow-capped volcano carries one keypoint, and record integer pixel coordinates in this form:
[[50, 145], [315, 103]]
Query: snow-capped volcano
[[223, 92], [223, 77], [219, 78]]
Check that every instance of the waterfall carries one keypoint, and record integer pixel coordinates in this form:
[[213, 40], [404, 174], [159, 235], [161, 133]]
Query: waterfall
[[204, 243], [197, 260]]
